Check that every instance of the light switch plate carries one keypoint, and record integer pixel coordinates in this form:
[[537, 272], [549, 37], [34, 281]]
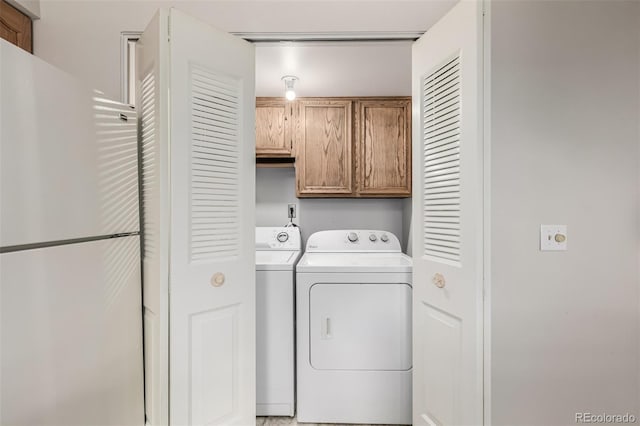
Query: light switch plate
[[553, 237]]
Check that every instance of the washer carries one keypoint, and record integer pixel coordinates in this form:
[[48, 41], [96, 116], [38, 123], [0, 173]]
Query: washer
[[277, 251], [354, 329]]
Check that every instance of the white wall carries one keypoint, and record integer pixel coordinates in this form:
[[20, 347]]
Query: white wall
[[565, 150], [83, 37], [335, 68], [275, 188]]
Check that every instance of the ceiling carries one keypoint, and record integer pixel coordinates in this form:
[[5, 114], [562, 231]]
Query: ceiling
[[335, 68], [316, 15]]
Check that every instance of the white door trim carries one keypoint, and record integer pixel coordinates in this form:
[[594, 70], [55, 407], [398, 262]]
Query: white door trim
[[486, 207]]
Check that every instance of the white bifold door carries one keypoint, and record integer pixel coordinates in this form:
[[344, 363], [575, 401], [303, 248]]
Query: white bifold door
[[197, 103], [448, 220]]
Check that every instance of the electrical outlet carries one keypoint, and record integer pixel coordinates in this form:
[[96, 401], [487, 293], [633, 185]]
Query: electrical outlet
[[291, 211]]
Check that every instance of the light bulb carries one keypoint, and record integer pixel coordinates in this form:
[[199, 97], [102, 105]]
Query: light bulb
[[289, 81]]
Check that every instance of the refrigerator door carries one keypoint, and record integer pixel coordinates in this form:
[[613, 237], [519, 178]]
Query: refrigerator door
[[68, 157], [71, 335]]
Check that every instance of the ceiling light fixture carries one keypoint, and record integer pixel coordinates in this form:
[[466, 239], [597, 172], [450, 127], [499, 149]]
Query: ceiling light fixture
[[289, 92]]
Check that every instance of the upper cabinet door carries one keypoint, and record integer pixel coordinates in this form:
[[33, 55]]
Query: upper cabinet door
[[324, 144], [16, 27], [274, 128], [383, 141]]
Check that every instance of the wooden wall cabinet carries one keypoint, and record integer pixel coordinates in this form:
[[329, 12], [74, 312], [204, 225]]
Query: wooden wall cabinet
[[343, 147], [383, 147], [324, 166], [15, 27], [274, 128]]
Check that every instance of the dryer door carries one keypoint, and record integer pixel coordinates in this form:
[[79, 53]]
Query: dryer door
[[360, 326]]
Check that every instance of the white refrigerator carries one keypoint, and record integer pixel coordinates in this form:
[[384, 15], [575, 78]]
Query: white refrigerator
[[70, 284]]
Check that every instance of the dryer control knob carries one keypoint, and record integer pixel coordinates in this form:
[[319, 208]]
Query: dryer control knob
[[282, 237], [373, 238], [353, 237], [384, 238]]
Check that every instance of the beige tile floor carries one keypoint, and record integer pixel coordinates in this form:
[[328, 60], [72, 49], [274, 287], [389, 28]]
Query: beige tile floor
[[291, 421]]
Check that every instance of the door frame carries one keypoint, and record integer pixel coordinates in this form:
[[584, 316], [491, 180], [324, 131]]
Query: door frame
[[336, 36], [485, 92]]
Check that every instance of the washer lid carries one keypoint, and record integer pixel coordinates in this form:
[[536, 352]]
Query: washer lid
[[276, 260], [354, 262]]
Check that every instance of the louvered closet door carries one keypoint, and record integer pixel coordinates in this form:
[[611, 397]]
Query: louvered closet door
[[212, 283], [447, 221]]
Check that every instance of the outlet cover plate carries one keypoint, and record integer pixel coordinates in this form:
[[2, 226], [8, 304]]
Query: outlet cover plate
[[291, 211], [553, 237]]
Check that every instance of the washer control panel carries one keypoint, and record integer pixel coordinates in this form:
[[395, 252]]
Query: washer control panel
[[278, 238], [353, 240]]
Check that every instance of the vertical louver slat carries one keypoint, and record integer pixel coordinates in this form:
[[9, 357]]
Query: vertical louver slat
[[441, 144], [215, 168], [150, 195], [116, 136]]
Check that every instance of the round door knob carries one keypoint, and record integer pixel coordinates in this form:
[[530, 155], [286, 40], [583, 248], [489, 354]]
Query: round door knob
[[353, 237], [282, 237], [384, 238], [439, 281], [373, 237], [217, 279]]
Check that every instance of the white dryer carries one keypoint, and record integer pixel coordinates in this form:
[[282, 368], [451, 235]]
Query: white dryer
[[277, 251], [354, 329]]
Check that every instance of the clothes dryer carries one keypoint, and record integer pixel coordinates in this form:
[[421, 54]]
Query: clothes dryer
[[354, 329]]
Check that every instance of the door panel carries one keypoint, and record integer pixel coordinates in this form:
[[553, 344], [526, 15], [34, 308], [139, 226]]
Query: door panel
[[42, 159], [360, 326], [212, 170], [211, 331], [71, 336], [441, 383], [447, 218]]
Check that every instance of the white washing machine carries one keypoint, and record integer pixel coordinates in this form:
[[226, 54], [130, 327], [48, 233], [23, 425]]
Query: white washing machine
[[354, 329], [277, 251]]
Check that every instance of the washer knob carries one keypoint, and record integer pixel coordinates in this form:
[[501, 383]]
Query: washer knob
[[384, 238], [373, 238], [353, 237], [282, 237]]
